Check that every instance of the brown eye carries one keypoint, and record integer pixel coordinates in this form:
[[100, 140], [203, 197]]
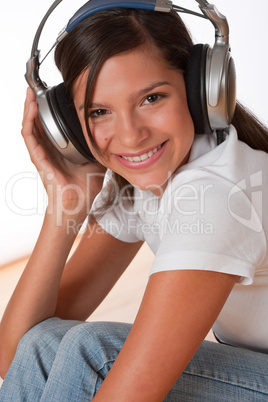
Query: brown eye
[[98, 113], [152, 98]]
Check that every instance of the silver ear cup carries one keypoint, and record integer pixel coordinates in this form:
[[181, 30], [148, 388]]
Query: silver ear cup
[[55, 130], [56, 119], [195, 80], [220, 87], [65, 115], [231, 90]]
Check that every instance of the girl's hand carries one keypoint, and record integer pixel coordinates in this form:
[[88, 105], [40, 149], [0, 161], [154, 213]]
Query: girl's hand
[[70, 188]]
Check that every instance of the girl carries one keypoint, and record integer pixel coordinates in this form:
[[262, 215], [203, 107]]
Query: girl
[[197, 205]]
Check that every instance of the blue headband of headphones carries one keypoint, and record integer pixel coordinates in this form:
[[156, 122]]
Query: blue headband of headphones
[[94, 6]]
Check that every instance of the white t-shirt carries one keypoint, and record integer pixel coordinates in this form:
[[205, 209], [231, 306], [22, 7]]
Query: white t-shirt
[[212, 216]]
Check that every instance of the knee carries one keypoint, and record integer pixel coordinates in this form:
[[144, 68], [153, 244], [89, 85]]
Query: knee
[[95, 342], [96, 333], [37, 335], [88, 336], [44, 336]]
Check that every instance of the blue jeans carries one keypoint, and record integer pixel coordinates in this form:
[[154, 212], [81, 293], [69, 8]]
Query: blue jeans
[[66, 361]]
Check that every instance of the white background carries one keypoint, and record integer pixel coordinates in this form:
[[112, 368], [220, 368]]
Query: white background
[[22, 199]]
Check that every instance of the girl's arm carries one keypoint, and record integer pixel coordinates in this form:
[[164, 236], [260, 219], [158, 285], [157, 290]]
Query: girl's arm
[[91, 272], [87, 278], [37, 296], [177, 311]]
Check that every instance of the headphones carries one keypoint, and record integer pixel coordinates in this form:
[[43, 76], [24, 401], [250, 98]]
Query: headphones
[[210, 79]]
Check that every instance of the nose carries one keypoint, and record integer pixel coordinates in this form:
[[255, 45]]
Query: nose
[[132, 130]]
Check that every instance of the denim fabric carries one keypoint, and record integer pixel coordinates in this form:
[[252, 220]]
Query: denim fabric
[[66, 361]]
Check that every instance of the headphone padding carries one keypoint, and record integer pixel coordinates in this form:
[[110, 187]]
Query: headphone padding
[[65, 114], [195, 80]]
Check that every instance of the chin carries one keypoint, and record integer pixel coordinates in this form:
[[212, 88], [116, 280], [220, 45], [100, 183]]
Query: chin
[[155, 186]]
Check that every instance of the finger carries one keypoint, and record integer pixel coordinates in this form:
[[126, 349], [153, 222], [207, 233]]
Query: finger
[[30, 97], [29, 131], [36, 131]]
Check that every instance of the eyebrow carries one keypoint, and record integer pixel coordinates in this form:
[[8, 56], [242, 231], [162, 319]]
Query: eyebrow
[[133, 96], [144, 91]]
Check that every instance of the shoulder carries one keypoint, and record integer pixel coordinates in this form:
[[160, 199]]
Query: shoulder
[[224, 167], [212, 211]]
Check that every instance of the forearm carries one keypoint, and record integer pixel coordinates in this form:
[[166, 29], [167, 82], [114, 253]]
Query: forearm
[[177, 311], [35, 296]]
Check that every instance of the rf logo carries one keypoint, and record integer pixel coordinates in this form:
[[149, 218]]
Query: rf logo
[[254, 220]]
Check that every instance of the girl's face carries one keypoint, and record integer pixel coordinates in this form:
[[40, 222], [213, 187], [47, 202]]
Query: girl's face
[[139, 118]]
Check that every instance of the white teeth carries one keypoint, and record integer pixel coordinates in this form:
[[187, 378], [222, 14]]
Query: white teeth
[[142, 157]]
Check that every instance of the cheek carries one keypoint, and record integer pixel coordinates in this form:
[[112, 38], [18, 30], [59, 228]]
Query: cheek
[[176, 119], [101, 136], [101, 142]]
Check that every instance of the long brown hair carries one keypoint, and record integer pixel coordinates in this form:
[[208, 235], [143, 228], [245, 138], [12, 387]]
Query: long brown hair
[[108, 33]]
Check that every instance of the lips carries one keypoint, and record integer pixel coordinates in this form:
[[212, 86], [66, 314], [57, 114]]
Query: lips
[[143, 156], [144, 159]]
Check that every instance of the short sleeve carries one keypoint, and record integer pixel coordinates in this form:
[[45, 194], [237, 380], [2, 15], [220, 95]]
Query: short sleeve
[[119, 220], [121, 225], [209, 224]]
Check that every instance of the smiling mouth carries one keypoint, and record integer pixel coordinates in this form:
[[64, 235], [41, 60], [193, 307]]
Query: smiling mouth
[[144, 156]]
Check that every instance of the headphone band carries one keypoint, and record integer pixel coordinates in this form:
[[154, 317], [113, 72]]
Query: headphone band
[[209, 11], [93, 6]]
